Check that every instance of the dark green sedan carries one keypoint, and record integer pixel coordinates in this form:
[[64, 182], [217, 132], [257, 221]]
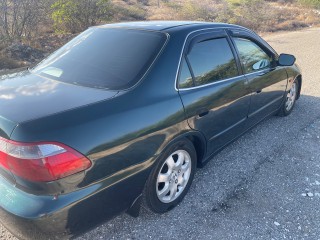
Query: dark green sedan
[[124, 114]]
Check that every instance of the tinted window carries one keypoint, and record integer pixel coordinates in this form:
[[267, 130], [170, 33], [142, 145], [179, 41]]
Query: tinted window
[[104, 58], [211, 61], [253, 58], [185, 79]]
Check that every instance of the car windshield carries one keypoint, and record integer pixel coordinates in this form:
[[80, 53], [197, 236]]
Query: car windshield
[[105, 58]]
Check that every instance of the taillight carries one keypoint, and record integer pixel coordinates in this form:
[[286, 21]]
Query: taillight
[[41, 162]]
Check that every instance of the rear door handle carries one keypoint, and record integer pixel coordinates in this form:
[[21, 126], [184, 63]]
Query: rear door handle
[[203, 112], [258, 91]]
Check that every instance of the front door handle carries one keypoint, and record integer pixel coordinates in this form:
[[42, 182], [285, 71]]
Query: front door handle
[[258, 91]]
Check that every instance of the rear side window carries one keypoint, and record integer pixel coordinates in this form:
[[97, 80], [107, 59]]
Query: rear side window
[[185, 79], [104, 58], [253, 57], [212, 60]]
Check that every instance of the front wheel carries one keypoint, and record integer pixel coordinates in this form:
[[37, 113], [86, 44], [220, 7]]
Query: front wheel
[[171, 177], [290, 100]]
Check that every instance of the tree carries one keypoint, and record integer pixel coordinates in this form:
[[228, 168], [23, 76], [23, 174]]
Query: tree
[[20, 18], [76, 15]]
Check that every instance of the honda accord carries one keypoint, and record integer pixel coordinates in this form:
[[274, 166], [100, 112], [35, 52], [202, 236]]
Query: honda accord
[[123, 115]]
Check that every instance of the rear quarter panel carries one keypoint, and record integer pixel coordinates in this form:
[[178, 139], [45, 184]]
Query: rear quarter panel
[[122, 135]]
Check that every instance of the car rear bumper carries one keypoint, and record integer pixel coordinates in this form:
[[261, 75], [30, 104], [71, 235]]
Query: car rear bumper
[[34, 217]]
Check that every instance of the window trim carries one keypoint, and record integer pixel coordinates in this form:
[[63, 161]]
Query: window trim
[[216, 33], [204, 37], [183, 49], [230, 30], [190, 71], [245, 33], [253, 37], [147, 69], [266, 51], [209, 84]]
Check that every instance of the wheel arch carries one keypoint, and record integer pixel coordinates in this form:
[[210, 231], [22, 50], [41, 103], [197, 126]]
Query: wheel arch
[[299, 79], [198, 141], [199, 144], [150, 197]]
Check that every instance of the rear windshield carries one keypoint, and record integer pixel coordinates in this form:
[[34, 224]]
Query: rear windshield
[[104, 58]]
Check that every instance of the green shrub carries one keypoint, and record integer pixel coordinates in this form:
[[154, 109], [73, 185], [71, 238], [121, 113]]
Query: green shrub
[[76, 15], [199, 11], [134, 13], [128, 12], [310, 3], [253, 14]]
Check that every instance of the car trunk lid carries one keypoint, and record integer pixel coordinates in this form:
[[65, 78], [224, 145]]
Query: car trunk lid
[[25, 96]]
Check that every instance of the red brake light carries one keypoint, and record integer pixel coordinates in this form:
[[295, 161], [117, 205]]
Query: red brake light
[[41, 162]]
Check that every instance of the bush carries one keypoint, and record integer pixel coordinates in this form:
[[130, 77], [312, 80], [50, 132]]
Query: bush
[[310, 3], [77, 15], [290, 25], [121, 12], [253, 14], [201, 11]]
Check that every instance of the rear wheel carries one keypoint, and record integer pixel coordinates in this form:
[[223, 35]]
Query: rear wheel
[[171, 177], [290, 100]]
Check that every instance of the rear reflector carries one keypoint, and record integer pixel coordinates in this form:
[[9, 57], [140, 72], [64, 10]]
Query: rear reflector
[[41, 162]]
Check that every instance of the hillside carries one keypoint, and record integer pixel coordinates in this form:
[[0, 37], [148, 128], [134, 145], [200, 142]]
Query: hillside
[[31, 29], [262, 16]]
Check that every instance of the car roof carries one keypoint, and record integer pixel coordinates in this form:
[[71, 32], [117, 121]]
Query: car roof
[[164, 25]]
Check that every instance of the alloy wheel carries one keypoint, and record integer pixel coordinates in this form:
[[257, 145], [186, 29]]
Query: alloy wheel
[[173, 176], [291, 97]]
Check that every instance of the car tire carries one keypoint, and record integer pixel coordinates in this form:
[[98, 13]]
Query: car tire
[[171, 177], [290, 100]]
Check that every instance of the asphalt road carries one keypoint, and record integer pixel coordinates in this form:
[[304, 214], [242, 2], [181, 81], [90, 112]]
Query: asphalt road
[[266, 185]]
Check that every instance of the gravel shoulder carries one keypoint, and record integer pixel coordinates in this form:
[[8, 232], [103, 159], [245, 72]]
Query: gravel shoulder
[[265, 185]]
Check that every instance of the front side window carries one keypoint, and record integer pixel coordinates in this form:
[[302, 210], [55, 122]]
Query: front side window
[[253, 57], [107, 58], [212, 60]]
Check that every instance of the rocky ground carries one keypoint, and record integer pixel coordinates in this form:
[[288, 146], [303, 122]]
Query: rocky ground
[[18, 54]]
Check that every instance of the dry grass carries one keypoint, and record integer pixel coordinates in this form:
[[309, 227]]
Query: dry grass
[[259, 15], [8, 63]]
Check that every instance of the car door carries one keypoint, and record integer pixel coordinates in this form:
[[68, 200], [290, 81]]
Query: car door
[[267, 81], [213, 91]]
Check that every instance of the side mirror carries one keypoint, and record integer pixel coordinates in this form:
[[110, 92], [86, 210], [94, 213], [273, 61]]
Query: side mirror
[[286, 59]]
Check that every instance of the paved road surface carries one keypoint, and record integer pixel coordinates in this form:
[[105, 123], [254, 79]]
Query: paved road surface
[[266, 185]]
